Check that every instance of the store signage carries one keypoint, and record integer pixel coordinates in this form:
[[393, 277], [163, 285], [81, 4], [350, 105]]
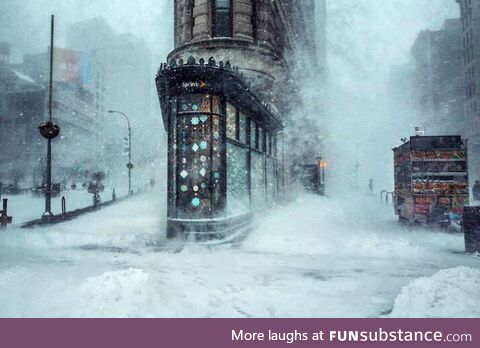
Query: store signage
[[194, 84], [424, 200]]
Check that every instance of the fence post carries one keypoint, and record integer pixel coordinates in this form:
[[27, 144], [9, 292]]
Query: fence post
[[381, 195], [4, 218], [64, 206]]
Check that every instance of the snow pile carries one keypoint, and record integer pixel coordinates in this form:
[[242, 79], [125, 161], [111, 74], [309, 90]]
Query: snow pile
[[450, 293], [357, 226], [120, 294], [127, 224]]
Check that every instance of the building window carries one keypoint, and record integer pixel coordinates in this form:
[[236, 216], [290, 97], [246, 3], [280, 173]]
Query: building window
[[243, 128], [231, 122], [253, 135], [197, 153], [222, 18], [261, 139], [238, 196], [258, 180]]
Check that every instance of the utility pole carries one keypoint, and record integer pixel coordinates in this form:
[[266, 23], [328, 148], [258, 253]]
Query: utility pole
[[49, 131], [129, 164]]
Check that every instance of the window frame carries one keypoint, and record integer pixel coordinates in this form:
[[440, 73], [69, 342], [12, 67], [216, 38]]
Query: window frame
[[214, 19]]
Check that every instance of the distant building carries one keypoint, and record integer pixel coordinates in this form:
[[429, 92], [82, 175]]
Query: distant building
[[77, 109], [124, 84], [5, 50], [230, 94], [22, 105], [127, 65], [470, 41], [438, 81]]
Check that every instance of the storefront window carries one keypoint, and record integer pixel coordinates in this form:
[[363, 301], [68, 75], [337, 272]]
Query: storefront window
[[243, 128], [258, 181], [217, 174], [253, 135], [261, 140], [271, 180], [231, 121], [193, 166], [238, 200], [194, 103], [212, 175], [216, 105]]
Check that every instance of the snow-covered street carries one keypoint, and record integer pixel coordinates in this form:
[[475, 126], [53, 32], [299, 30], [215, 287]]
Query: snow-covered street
[[317, 257]]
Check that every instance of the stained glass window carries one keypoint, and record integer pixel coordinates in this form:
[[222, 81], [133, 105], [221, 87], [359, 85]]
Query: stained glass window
[[194, 103], [173, 170], [238, 200], [217, 176], [216, 105], [193, 169], [243, 128], [258, 180], [231, 121]]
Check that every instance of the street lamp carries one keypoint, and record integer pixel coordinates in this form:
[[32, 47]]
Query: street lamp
[[129, 164], [49, 131]]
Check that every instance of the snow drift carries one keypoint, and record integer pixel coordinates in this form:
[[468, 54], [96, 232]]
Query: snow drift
[[450, 293]]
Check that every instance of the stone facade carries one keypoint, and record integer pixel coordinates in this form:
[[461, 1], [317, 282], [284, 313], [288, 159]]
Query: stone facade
[[232, 104], [438, 82], [269, 40], [470, 41]]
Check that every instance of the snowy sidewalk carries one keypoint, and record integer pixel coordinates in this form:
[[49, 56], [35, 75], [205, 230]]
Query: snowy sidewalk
[[316, 257]]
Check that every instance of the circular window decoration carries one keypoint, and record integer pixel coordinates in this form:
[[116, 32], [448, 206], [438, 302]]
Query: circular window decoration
[[196, 202]]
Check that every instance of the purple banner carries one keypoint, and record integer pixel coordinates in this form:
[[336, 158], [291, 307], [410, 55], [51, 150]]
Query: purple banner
[[118, 333]]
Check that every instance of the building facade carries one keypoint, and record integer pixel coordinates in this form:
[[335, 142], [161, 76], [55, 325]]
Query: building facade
[[228, 94], [470, 41], [76, 109], [438, 81], [22, 105], [124, 84]]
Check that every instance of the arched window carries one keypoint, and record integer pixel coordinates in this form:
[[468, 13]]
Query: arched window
[[222, 18]]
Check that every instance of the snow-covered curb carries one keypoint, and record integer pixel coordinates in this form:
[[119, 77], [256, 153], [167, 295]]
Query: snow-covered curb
[[450, 293]]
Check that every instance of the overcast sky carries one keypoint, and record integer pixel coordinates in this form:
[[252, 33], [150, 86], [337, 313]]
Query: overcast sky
[[25, 23]]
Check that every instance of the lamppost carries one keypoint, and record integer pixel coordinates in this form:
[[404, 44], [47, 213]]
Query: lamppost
[[49, 131], [129, 164]]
